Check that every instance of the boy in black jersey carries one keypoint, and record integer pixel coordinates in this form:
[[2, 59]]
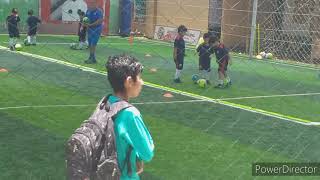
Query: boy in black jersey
[[12, 22], [32, 22], [205, 50], [82, 31], [179, 52]]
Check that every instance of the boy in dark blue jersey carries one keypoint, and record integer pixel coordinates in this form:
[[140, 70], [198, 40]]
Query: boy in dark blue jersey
[[205, 50], [179, 52], [32, 22], [223, 60], [13, 30]]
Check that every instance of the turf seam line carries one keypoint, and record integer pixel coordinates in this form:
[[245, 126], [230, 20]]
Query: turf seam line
[[192, 95], [85, 105]]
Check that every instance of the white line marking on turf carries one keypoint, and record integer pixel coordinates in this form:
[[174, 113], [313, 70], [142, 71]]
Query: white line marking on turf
[[269, 96], [249, 109]]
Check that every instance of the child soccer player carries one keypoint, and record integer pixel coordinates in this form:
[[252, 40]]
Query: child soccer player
[[205, 50], [223, 60], [32, 22], [13, 30], [132, 137], [179, 52], [82, 31]]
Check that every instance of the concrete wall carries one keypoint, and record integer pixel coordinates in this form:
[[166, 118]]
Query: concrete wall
[[193, 14]]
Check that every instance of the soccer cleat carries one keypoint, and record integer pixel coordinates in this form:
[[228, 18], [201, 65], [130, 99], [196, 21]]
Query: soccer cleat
[[26, 43], [219, 86], [177, 80], [12, 48], [228, 84], [89, 61]]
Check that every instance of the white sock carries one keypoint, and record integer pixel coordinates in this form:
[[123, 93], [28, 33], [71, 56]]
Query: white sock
[[178, 74], [203, 74], [80, 45], [29, 39], [220, 82], [15, 41], [11, 42], [34, 39], [228, 79], [207, 75]]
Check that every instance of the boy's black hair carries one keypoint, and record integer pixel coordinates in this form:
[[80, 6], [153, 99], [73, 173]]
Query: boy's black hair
[[119, 67], [30, 12], [79, 12], [182, 28], [215, 31], [206, 35], [14, 10], [213, 39]]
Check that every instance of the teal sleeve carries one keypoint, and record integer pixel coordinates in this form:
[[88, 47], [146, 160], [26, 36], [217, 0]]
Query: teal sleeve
[[139, 137]]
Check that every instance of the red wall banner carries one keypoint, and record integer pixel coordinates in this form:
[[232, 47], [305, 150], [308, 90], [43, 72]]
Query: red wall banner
[[65, 11]]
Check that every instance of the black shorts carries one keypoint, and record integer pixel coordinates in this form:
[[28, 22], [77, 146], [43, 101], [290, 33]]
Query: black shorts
[[14, 34], [204, 64], [32, 32], [179, 63]]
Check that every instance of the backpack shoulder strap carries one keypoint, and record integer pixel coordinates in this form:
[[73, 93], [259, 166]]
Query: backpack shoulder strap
[[115, 108]]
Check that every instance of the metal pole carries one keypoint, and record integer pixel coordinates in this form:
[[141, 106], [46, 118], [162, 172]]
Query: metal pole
[[253, 27]]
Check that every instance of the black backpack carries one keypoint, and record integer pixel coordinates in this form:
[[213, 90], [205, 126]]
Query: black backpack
[[91, 151]]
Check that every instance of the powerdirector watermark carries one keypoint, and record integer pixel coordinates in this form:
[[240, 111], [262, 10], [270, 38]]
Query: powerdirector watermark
[[286, 169]]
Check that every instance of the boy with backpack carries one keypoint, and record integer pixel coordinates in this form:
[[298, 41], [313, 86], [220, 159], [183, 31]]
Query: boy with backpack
[[115, 137]]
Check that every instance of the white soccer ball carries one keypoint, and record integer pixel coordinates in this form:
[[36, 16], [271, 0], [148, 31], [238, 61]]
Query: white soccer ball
[[259, 57], [263, 54], [269, 55]]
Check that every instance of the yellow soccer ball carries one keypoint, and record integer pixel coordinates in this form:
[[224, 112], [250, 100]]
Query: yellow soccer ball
[[202, 83]]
